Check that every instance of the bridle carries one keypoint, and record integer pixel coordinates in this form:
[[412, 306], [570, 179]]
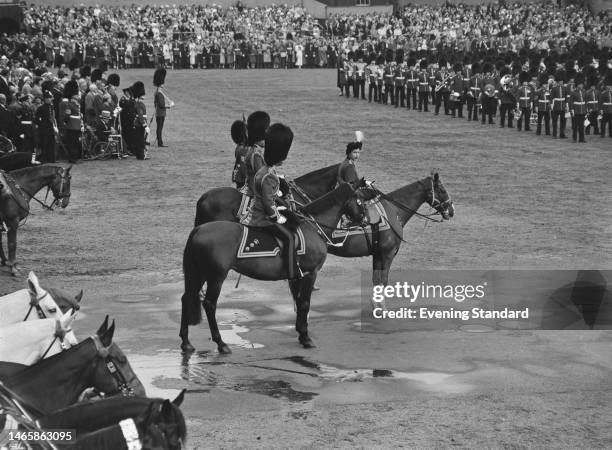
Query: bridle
[[436, 204], [60, 195], [35, 304], [113, 368]]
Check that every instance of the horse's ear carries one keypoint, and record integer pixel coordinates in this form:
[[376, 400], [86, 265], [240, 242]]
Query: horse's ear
[[69, 168], [179, 398], [166, 409], [33, 284], [79, 297], [103, 327], [107, 337], [436, 176]]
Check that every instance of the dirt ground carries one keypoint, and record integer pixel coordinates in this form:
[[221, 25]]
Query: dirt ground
[[522, 202]]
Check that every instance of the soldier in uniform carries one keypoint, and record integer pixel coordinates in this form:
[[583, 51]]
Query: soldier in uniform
[[348, 70], [423, 87], [266, 185], [47, 128], [359, 83], [457, 87], [473, 93], [543, 104], [342, 80], [399, 80], [161, 105], [592, 99], [239, 136], [578, 108], [605, 105], [72, 120], [257, 123], [127, 117], [388, 78], [372, 76], [507, 99], [442, 90], [559, 104], [380, 81], [26, 126], [141, 127], [524, 101], [488, 98], [412, 83]]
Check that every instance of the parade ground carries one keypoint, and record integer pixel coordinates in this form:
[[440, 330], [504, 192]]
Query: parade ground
[[521, 202]]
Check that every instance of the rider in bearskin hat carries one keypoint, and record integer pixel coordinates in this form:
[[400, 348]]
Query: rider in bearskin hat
[[257, 124], [239, 136], [160, 103], [266, 185]]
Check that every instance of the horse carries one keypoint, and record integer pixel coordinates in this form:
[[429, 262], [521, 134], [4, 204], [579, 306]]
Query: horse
[[399, 206], [29, 342], [58, 381], [212, 250], [36, 303], [223, 203], [88, 416], [158, 428], [16, 191]]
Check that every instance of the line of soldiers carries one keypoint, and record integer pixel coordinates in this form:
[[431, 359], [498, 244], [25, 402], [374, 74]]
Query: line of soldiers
[[584, 97]]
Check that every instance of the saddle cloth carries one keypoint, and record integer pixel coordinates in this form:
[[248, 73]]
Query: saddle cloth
[[9, 187], [257, 243], [376, 214]]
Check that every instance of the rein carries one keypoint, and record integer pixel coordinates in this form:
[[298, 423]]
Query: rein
[[59, 334], [103, 353], [408, 209], [35, 304]]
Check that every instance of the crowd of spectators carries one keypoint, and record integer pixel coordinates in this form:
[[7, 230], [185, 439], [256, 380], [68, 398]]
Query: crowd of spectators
[[205, 36]]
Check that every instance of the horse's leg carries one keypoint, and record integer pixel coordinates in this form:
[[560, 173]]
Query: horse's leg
[[294, 287], [191, 306], [12, 249], [303, 307], [2, 255], [213, 289]]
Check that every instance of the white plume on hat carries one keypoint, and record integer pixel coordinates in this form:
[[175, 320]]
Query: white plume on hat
[[359, 136]]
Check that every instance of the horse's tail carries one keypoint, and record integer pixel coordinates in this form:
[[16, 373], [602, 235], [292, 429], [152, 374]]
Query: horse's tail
[[201, 216], [194, 279]]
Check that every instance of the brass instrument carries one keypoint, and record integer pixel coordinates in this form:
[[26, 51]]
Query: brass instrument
[[443, 82]]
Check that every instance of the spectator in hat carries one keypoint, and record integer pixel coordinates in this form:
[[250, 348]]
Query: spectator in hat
[[47, 128]]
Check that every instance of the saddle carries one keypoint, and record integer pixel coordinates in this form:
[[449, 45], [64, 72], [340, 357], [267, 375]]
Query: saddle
[[257, 243], [8, 186], [375, 215]]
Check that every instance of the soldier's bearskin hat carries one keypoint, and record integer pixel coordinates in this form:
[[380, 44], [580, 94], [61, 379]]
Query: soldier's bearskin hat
[[579, 79], [499, 64], [423, 64], [504, 71], [74, 64], [560, 76], [458, 67], [476, 67], [114, 80], [85, 71], [239, 132], [487, 67], [278, 141], [159, 77], [543, 79], [411, 62], [257, 124], [104, 66], [96, 75], [359, 54], [571, 74], [138, 89], [592, 81], [608, 78], [442, 62], [71, 89]]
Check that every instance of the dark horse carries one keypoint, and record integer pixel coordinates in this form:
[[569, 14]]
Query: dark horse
[[58, 381], [223, 203], [211, 252], [14, 201], [400, 205]]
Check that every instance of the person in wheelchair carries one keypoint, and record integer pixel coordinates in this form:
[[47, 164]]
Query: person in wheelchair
[[104, 126]]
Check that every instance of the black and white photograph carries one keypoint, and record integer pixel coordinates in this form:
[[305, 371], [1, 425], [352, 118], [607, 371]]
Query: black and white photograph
[[317, 224]]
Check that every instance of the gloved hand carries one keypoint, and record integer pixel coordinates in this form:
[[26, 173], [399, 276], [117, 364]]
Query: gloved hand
[[281, 219], [281, 208], [369, 183], [147, 130]]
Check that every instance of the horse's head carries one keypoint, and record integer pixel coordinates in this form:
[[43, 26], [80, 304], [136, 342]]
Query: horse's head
[[112, 372], [438, 198], [60, 186], [168, 418]]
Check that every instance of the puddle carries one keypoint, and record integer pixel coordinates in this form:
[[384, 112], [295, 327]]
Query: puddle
[[476, 328], [136, 298], [228, 318]]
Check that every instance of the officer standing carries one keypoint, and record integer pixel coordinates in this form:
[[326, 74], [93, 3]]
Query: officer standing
[[543, 104], [605, 105], [423, 87], [473, 93], [141, 127], [578, 108], [559, 105], [72, 120], [47, 128], [592, 99], [412, 84], [161, 105], [127, 117], [372, 76], [524, 101]]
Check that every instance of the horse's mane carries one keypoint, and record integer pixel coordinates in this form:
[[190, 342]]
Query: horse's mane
[[408, 188], [317, 174], [106, 438], [328, 200], [26, 170]]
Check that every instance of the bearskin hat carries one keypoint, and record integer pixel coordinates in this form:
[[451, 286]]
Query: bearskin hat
[[458, 67], [239, 132], [543, 79], [85, 71], [257, 124], [487, 67], [499, 64], [96, 75], [592, 81], [442, 62], [608, 78], [504, 71], [138, 89], [579, 79], [114, 80], [74, 64], [423, 64], [351, 55], [359, 54], [475, 67], [159, 77], [411, 62], [104, 66], [560, 76], [278, 141], [71, 89], [38, 71], [571, 73]]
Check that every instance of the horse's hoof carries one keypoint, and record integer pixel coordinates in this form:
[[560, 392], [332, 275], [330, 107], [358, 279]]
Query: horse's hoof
[[224, 349], [187, 347], [307, 343], [316, 288]]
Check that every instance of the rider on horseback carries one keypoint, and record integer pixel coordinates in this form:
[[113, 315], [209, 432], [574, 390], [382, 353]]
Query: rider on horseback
[[347, 170], [266, 185], [257, 123]]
